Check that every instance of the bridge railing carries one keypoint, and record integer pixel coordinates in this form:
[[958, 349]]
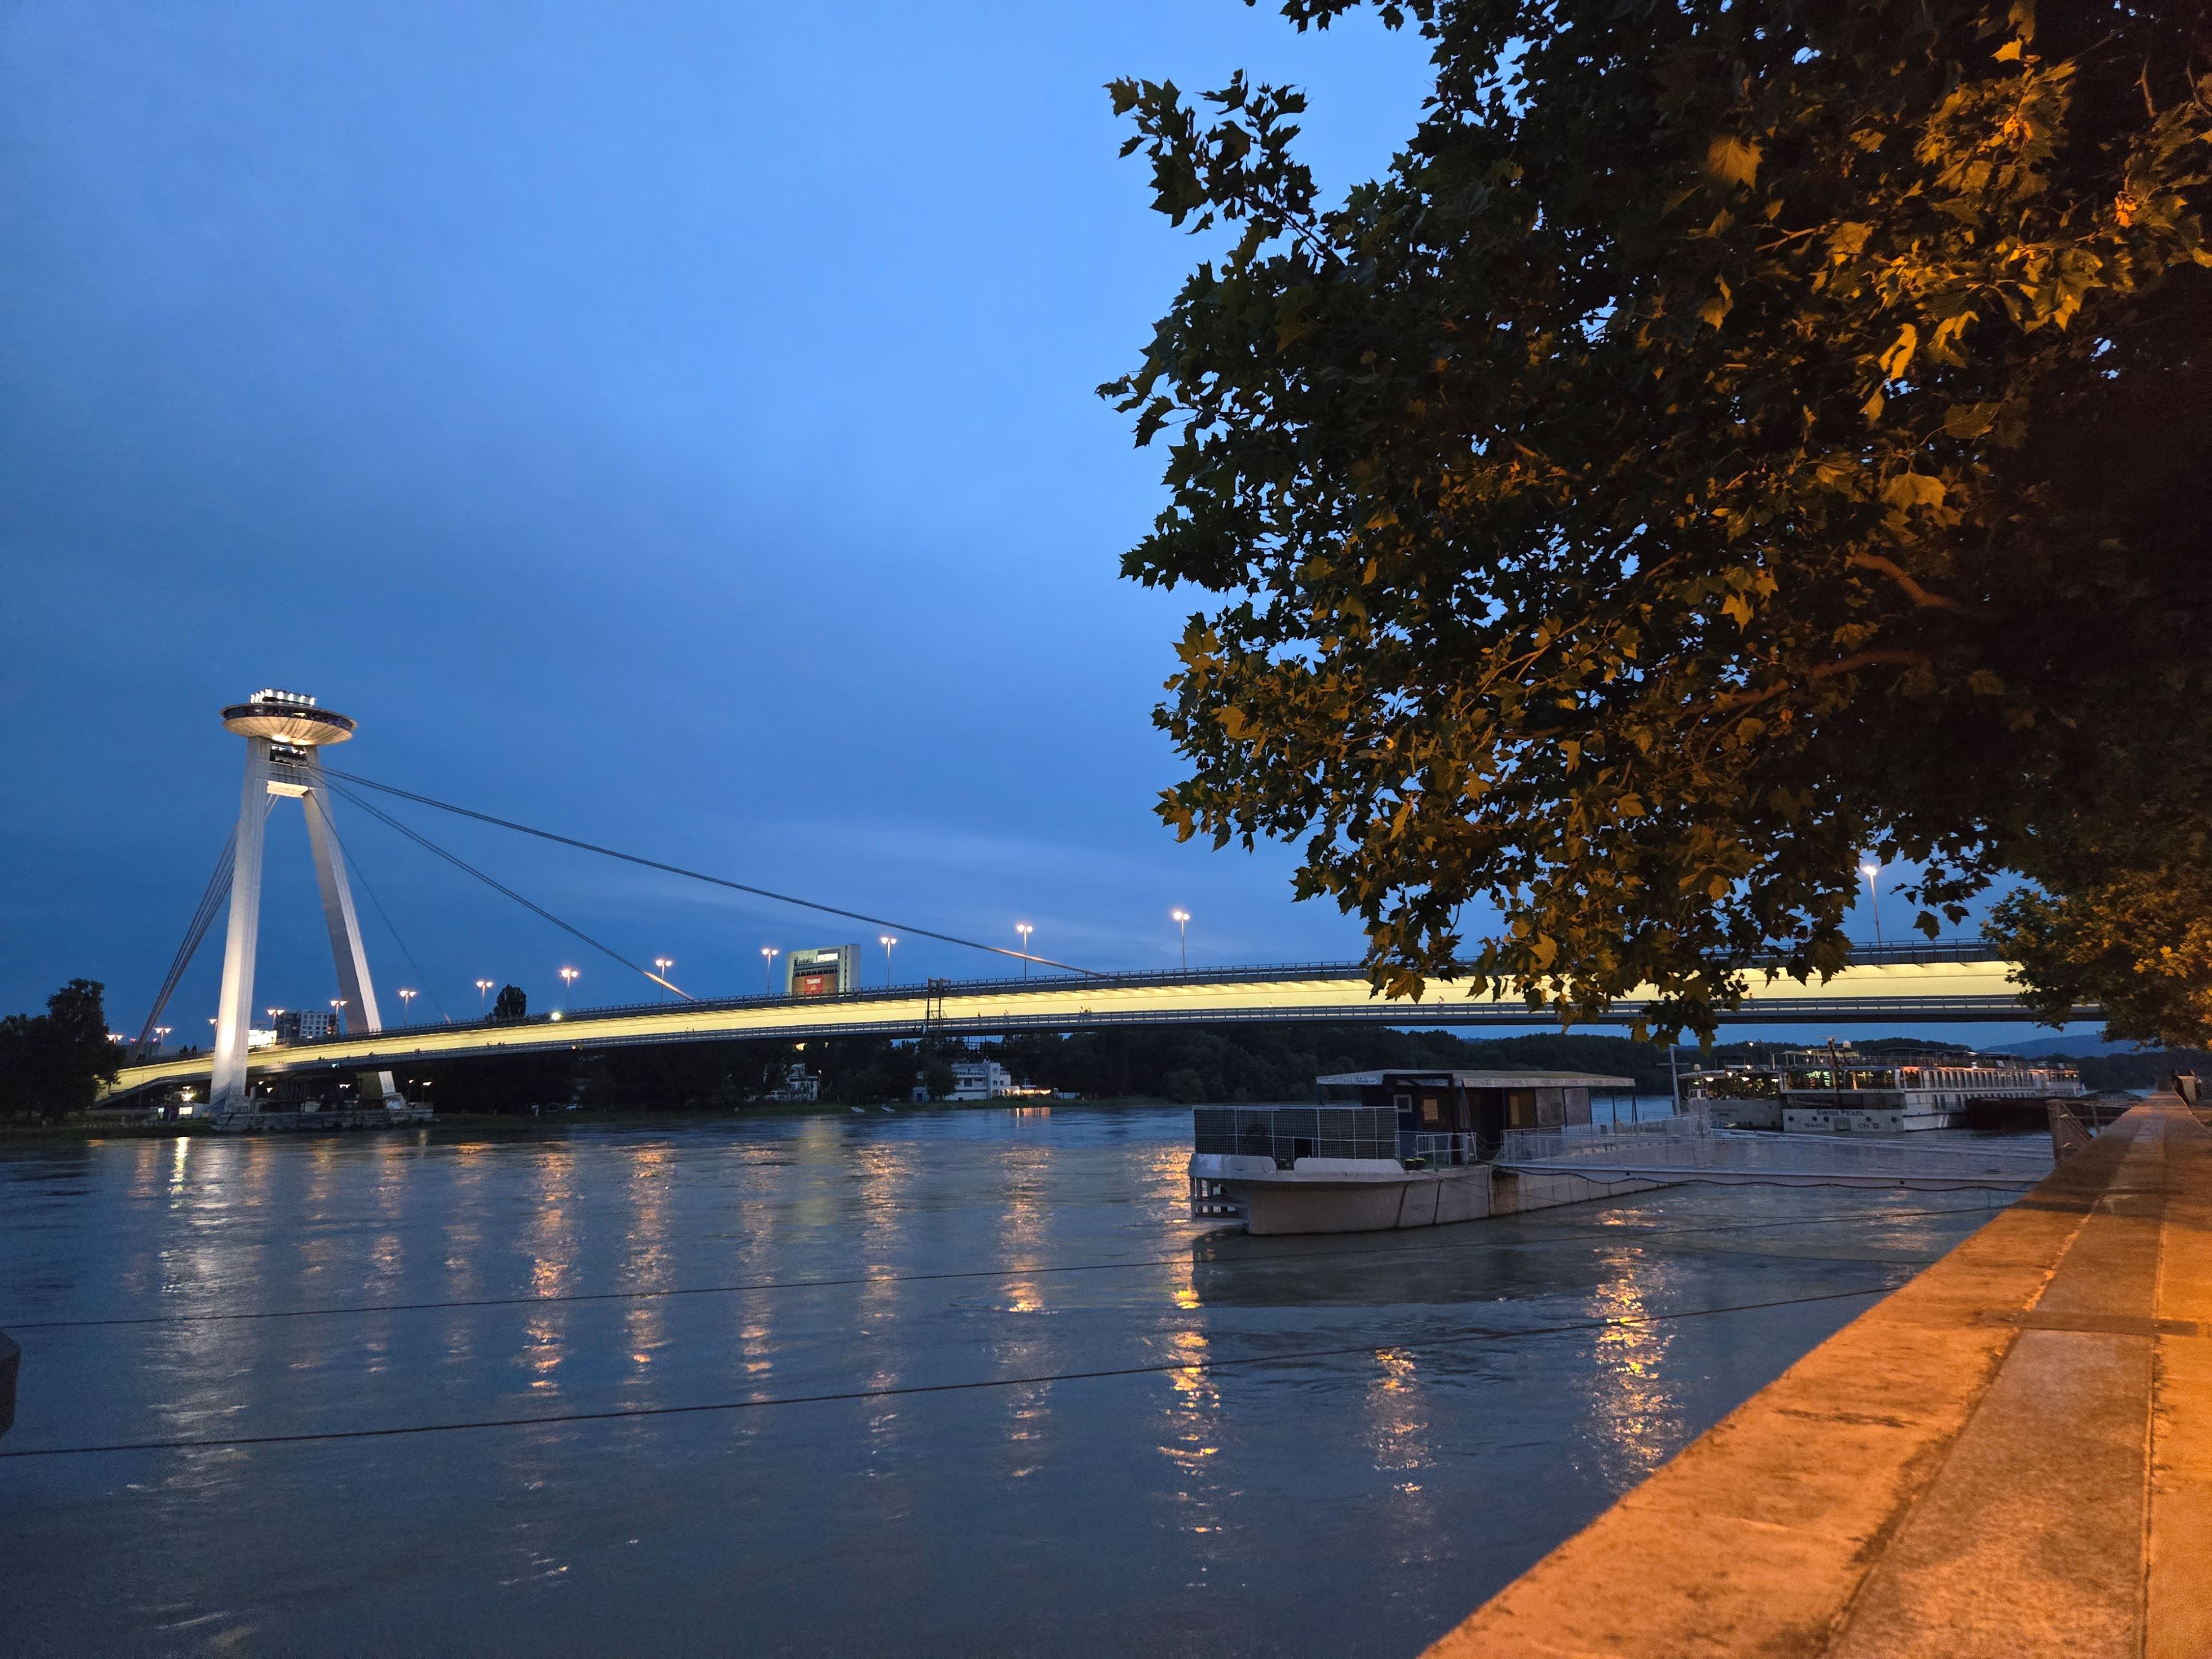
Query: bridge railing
[[1928, 952]]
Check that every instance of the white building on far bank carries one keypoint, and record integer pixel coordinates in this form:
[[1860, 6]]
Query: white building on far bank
[[798, 1084], [980, 1079]]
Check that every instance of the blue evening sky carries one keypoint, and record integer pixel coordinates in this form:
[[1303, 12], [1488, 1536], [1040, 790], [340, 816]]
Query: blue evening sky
[[672, 425]]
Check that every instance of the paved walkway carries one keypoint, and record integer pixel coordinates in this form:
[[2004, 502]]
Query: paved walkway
[[2011, 1455]]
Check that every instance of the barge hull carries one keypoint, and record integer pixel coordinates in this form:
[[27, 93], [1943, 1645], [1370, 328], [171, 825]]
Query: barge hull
[[1311, 1200]]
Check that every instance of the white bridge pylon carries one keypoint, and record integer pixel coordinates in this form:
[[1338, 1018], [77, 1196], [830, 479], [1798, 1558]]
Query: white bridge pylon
[[283, 732]]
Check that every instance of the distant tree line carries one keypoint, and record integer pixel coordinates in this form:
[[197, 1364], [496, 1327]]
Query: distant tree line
[[1232, 1062], [1280, 1061], [54, 1063], [1257, 1062]]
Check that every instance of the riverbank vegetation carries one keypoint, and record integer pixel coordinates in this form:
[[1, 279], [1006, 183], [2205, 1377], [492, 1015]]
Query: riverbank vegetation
[[54, 1064], [1246, 1062]]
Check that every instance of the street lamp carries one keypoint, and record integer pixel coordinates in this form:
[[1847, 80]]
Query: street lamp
[[337, 1012], [1024, 930], [406, 1000], [1182, 919], [160, 1037], [664, 964], [769, 954], [568, 977], [1873, 893], [483, 990], [887, 940]]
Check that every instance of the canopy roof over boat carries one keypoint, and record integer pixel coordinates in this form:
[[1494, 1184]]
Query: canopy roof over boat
[[1479, 1079]]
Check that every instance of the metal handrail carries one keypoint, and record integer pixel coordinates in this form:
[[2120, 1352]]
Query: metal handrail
[[1441, 1149], [1136, 979]]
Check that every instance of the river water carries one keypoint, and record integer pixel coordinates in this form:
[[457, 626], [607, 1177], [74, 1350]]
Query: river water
[[930, 1381]]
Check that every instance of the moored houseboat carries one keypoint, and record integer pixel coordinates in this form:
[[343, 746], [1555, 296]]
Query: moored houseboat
[[1392, 1149], [1840, 1090]]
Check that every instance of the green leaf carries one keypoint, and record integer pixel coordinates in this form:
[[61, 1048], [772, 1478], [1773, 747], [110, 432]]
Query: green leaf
[[1894, 360], [1911, 490], [1970, 420], [1714, 309], [1731, 159]]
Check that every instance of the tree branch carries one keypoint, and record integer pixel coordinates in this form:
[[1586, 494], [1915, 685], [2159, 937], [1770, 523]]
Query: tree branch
[[1913, 591], [1858, 659]]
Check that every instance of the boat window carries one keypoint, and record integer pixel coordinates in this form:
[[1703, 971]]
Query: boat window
[[1431, 1110], [1403, 1102]]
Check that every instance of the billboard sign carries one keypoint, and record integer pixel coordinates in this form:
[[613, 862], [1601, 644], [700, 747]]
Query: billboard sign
[[832, 970]]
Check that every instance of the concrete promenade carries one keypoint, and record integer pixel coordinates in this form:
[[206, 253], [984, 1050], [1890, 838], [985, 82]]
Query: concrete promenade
[[2011, 1455]]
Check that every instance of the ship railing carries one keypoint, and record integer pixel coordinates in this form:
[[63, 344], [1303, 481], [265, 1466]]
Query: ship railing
[[1440, 1150], [1598, 1140], [1795, 1158]]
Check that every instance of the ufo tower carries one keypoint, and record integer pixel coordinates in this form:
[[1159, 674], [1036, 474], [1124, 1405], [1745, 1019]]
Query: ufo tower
[[284, 734]]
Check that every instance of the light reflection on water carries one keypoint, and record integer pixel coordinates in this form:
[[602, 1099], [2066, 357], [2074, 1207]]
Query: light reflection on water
[[1358, 1490], [1633, 1391]]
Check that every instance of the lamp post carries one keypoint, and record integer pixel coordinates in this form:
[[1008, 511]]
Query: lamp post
[[337, 1014], [1873, 894], [483, 990], [1181, 918], [664, 964], [160, 1037], [407, 1001], [887, 940], [568, 977], [1024, 930], [769, 954]]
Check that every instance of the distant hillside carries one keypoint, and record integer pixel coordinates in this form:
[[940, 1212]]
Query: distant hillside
[[2144, 1071], [2084, 1044]]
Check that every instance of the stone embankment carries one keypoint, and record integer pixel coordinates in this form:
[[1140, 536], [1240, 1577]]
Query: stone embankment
[[2011, 1455]]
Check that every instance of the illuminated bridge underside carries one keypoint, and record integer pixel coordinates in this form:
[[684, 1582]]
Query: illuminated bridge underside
[[1884, 993]]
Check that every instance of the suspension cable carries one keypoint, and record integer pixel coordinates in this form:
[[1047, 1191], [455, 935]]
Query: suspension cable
[[697, 875], [460, 863], [212, 898]]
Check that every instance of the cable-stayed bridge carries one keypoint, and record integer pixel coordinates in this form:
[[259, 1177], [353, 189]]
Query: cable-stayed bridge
[[1902, 985], [287, 732]]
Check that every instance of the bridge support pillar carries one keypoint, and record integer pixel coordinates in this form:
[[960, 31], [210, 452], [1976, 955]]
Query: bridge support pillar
[[234, 1012], [347, 953], [283, 731]]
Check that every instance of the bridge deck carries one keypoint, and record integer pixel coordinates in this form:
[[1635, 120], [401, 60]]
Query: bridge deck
[[2011, 1455], [1935, 985]]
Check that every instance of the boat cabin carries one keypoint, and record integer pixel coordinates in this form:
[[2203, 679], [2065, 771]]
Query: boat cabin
[[1466, 1114]]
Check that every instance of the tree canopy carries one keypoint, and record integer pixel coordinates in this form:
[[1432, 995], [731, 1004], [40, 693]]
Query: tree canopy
[[55, 1062], [1734, 437]]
